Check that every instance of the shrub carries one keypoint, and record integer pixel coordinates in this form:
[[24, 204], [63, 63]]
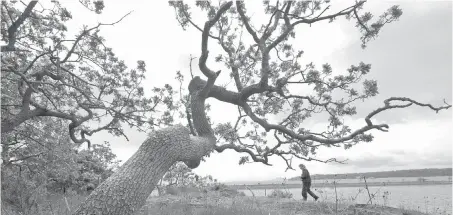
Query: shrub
[[280, 194]]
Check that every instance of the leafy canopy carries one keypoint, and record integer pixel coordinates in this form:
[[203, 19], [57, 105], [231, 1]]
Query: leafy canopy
[[265, 68], [48, 73]]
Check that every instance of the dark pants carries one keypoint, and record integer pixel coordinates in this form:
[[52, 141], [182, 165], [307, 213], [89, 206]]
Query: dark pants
[[306, 189]]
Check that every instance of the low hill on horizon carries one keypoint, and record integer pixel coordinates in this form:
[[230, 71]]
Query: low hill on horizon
[[386, 174]]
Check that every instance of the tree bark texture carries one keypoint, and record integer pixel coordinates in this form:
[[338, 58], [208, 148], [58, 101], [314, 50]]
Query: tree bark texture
[[127, 189]]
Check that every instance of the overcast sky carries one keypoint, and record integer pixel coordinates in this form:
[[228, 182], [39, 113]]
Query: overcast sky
[[412, 58]]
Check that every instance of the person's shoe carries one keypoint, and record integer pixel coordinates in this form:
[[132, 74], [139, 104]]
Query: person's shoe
[[316, 199]]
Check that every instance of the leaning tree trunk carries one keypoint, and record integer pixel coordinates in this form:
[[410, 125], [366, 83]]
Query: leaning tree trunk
[[127, 189]]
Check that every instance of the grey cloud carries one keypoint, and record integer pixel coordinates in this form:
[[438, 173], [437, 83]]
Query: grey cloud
[[372, 161], [411, 58], [399, 152], [399, 158], [443, 158]]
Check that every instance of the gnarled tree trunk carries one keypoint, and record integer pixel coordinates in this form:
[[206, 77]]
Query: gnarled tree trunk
[[128, 188]]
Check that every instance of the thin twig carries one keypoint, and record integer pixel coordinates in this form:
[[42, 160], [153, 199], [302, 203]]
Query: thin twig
[[368, 190]]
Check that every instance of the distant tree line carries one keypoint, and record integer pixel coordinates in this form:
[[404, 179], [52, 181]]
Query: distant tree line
[[386, 174]]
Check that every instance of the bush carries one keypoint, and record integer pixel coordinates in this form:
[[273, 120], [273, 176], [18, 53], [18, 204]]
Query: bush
[[280, 194], [172, 190], [241, 193], [218, 187]]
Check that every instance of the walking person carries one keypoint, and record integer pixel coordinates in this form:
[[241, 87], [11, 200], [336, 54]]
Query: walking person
[[306, 182]]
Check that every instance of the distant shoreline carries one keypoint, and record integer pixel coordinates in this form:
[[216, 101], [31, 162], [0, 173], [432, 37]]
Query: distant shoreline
[[322, 185], [432, 172]]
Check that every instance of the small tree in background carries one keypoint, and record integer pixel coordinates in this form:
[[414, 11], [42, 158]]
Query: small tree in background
[[179, 175], [38, 165]]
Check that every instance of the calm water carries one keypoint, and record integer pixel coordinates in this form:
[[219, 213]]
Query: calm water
[[434, 199], [394, 179]]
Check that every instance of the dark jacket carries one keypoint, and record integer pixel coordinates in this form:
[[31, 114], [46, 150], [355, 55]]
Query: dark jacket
[[305, 176]]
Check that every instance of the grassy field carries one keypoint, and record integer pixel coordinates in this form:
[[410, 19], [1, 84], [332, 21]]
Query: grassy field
[[224, 202]]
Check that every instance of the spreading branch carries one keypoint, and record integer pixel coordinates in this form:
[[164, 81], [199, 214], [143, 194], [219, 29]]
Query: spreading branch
[[212, 76], [53, 83], [12, 30], [22, 158], [245, 20]]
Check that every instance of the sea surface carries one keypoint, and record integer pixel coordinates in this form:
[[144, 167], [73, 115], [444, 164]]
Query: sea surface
[[314, 180], [433, 199]]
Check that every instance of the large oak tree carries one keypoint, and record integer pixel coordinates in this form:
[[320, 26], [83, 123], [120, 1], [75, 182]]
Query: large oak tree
[[265, 68]]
